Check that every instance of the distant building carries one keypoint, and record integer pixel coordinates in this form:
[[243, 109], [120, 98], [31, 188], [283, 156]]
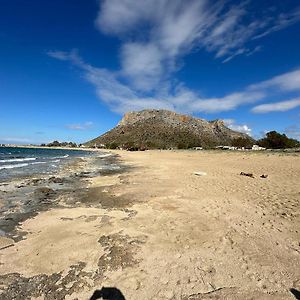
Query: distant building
[[257, 148], [98, 146], [226, 148]]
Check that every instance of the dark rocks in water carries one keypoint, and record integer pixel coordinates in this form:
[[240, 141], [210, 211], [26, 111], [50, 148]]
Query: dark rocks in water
[[56, 285], [162, 129], [44, 193], [95, 196], [9, 223], [36, 181], [55, 180], [83, 174], [22, 205]]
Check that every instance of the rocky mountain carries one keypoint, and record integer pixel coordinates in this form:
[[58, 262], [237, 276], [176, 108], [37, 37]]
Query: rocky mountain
[[165, 129]]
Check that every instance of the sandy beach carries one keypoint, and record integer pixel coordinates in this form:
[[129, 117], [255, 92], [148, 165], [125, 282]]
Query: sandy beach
[[157, 230]]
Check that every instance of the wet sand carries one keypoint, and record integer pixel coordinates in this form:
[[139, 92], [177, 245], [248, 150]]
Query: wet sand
[[158, 231]]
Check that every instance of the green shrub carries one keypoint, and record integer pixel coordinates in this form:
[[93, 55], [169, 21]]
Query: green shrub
[[112, 146], [182, 146], [242, 142], [275, 140]]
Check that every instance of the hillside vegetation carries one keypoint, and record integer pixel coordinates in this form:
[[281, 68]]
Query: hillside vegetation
[[162, 129]]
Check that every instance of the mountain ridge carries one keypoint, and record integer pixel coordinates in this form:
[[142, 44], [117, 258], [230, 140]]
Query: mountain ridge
[[153, 128]]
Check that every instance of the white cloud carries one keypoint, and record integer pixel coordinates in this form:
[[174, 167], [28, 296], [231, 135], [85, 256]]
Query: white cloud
[[286, 82], [117, 17], [80, 126], [71, 56], [59, 55], [284, 20], [277, 106], [155, 34], [230, 123], [142, 63], [241, 51], [121, 98]]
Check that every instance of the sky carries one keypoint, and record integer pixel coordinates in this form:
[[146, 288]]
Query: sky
[[70, 69]]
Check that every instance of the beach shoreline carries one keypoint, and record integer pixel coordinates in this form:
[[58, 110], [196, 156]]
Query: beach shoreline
[[25, 196], [158, 230], [57, 148]]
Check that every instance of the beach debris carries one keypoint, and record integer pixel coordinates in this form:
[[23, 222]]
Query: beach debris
[[36, 181], [133, 149], [264, 176], [6, 242], [200, 173], [247, 174], [54, 179]]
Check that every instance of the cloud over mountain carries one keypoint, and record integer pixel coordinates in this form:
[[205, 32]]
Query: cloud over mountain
[[171, 29], [154, 37], [277, 106]]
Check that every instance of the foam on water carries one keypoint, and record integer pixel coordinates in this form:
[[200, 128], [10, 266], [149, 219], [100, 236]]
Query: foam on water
[[17, 159], [65, 156], [13, 166], [105, 155], [19, 162]]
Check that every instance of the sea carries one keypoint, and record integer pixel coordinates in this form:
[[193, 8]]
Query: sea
[[21, 162]]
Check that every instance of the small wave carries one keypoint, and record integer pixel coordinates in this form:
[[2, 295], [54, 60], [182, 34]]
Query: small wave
[[53, 161], [13, 166], [17, 159], [105, 155], [55, 157], [38, 162]]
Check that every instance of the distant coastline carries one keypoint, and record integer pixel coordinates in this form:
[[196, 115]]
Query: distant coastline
[[286, 150], [57, 148]]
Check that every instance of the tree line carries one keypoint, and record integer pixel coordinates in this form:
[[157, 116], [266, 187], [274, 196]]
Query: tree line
[[272, 140]]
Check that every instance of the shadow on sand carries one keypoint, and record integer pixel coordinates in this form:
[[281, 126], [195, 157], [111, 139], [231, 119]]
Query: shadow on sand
[[108, 293], [296, 293], [111, 293]]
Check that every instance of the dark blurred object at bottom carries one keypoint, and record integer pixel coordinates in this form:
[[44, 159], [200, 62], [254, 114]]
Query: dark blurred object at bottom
[[108, 293], [295, 293]]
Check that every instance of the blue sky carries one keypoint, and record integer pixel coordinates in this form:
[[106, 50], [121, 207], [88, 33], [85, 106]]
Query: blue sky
[[70, 69]]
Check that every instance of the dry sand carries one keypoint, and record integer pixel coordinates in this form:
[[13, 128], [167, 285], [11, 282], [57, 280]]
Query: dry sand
[[163, 232]]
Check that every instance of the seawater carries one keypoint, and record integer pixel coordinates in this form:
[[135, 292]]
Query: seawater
[[20, 162]]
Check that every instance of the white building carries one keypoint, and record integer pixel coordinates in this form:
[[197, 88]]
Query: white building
[[256, 148]]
